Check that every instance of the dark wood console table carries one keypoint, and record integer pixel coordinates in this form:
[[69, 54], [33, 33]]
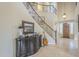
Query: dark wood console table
[[28, 45]]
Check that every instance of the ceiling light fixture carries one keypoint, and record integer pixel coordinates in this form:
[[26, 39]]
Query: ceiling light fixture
[[64, 16]]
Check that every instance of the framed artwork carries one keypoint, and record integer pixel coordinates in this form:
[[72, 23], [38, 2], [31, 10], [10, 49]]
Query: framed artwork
[[28, 27]]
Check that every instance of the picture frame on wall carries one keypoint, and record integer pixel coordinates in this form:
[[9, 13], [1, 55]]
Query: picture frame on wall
[[28, 27]]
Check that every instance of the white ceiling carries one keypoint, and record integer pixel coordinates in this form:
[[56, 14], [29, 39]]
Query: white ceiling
[[66, 7]]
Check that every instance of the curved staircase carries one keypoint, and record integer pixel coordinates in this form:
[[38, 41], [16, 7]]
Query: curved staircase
[[40, 20]]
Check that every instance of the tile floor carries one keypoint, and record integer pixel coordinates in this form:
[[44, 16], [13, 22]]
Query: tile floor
[[51, 51], [65, 49]]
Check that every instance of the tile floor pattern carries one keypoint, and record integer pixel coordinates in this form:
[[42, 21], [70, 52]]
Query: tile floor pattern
[[51, 51]]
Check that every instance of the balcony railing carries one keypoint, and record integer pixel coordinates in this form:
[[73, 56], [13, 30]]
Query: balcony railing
[[44, 8]]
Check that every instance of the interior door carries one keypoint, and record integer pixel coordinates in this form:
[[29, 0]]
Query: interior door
[[66, 30]]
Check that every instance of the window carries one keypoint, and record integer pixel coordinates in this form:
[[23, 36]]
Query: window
[[52, 8], [71, 27]]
